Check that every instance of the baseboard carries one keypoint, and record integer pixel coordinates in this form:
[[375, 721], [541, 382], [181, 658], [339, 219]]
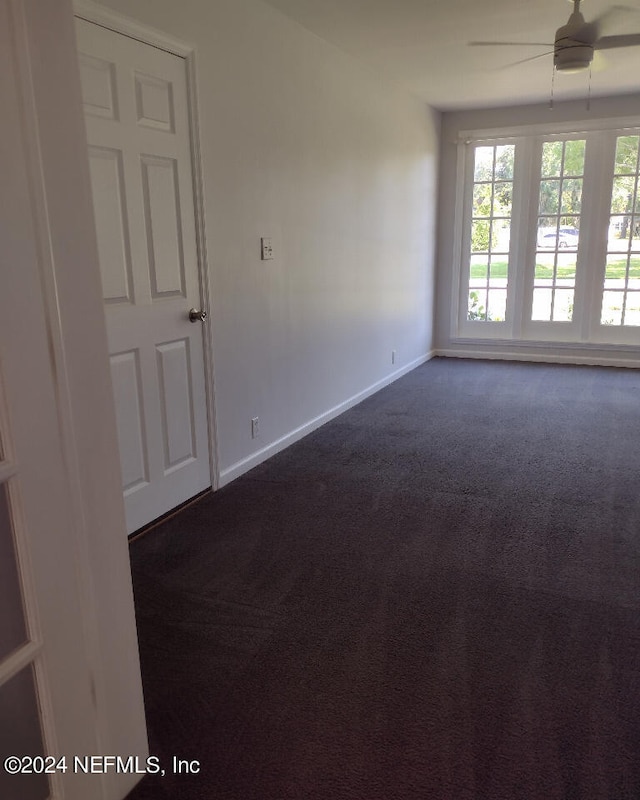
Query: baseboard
[[240, 467], [595, 360]]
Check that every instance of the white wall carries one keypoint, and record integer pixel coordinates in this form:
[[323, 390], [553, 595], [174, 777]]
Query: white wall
[[337, 165], [452, 124]]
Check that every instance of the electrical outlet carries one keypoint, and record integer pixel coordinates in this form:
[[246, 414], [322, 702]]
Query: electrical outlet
[[266, 248], [393, 356], [255, 429]]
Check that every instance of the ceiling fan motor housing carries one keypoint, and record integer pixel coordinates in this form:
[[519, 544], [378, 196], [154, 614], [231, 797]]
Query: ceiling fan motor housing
[[573, 50], [572, 56]]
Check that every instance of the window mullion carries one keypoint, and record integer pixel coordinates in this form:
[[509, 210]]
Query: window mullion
[[520, 228], [598, 180], [530, 223]]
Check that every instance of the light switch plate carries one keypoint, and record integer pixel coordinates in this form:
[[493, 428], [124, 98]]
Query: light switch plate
[[267, 248]]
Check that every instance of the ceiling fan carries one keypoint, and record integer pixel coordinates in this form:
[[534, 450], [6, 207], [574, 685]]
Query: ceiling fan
[[576, 42]]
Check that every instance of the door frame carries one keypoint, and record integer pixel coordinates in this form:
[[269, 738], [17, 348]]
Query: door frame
[[114, 21]]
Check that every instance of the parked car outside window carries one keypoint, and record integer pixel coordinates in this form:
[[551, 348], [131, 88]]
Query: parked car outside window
[[563, 238]]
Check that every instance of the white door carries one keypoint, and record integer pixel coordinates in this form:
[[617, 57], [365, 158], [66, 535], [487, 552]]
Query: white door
[[46, 702], [136, 111]]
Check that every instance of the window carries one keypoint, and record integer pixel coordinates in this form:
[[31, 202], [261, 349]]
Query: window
[[550, 237], [558, 236], [621, 296], [490, 233]]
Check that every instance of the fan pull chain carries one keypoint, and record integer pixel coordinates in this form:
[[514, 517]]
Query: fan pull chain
[[589, 91], [553, 79]]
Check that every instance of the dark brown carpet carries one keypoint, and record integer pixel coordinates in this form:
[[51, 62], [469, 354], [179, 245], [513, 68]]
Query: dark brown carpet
[[433, 597]]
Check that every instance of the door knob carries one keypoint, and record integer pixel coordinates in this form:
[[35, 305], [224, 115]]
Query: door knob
[[196, 315]]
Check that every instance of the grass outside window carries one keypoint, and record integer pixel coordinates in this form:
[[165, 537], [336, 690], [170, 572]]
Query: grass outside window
[[615, 269]]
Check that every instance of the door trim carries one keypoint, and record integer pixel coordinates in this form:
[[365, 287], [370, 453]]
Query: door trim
[[106, 18]]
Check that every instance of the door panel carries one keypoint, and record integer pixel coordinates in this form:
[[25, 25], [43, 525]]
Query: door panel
[[112, 225], [13, 625], [21, 733], [136, 113], [127, 391], [161, 206], [98, 87], [154, 102], [178, 429]]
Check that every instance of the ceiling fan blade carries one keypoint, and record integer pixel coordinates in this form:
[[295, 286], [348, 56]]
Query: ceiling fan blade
[[524, 60], [622, 40], [510, 44], [593, 30], [603, 18]]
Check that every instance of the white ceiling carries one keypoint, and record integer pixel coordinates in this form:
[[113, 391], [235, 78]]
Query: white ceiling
[[422, 44]]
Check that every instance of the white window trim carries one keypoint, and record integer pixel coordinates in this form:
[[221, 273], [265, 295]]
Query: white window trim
[[620, 124]]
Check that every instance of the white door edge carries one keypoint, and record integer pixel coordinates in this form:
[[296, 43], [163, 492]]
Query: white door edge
[[47, 267], [119, 23], [44, 182]]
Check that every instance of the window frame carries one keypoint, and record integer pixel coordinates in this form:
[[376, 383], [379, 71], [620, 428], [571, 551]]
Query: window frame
[[585, 328], [610, 334], [490, 329], [549, 329]]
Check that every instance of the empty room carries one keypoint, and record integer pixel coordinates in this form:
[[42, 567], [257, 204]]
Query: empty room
[[319, 417]]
